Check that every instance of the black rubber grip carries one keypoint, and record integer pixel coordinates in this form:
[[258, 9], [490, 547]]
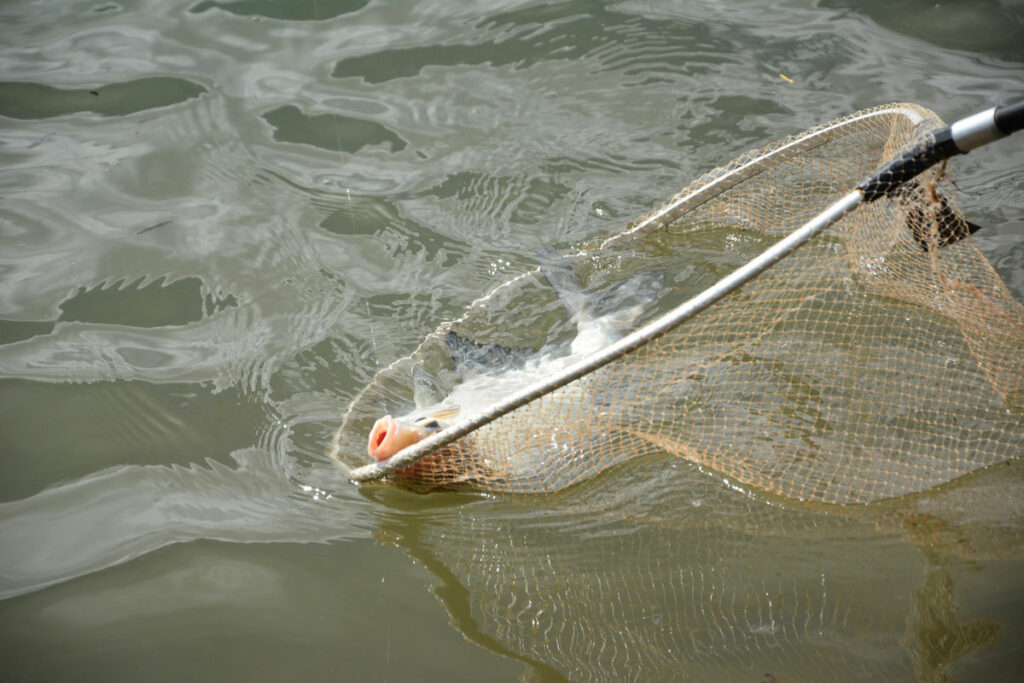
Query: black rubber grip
[[908, 165], [1009, 117]]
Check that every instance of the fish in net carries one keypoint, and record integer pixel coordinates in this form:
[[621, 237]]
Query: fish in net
[[881, 357]]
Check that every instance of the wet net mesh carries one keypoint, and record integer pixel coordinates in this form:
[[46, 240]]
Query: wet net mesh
[[656, 571], [883, 357]]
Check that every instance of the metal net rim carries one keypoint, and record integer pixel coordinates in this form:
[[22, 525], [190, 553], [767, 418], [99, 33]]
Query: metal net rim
[[708, 186]]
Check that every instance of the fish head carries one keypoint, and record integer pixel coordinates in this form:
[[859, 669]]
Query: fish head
[[393, 434]]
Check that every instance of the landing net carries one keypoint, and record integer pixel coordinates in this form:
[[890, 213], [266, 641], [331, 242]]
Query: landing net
[[882, 357]]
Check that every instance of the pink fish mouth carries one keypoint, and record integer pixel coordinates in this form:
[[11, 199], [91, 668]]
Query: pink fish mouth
[[388, 437]]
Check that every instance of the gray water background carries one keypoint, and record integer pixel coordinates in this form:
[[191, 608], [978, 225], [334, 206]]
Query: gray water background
[[218, 220]]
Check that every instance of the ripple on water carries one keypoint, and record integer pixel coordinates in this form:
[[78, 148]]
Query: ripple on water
[[330, 131], [527, 36], [318, 10], [110, 516], [39, 101], [154, 304], [266, 202], [90, 427]]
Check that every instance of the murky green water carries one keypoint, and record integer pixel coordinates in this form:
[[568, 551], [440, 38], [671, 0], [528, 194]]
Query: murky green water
[[219, 219]]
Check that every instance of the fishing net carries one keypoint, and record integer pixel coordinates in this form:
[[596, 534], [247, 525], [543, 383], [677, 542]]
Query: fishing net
[[656, 571], [881, 358]]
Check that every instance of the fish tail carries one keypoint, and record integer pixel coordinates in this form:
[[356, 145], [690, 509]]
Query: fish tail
[[563, 280]]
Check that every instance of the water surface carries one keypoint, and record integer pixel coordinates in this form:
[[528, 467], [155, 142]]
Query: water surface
[[220, 219]]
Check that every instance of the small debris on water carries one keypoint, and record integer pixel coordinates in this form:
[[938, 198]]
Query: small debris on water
[[152, 227], [40, 141]]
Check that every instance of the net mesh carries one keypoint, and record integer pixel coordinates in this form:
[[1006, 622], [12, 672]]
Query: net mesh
[[882, 358], [657, 568]]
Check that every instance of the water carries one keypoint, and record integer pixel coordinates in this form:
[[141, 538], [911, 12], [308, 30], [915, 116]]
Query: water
[[220, 219]]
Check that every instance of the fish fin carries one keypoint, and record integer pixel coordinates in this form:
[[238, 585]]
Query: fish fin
[[426, 387], [624, 302], [445, 413], [563, 280], [470, 356]]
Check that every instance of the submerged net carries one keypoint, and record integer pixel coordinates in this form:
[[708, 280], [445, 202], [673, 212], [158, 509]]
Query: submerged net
[[883, 357], [658, 572]]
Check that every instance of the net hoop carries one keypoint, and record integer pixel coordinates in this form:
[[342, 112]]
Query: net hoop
[[666, 215]]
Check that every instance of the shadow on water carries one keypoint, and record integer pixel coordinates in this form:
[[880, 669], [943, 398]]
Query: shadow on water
[[403, 530], [658, 567], [116, 514]]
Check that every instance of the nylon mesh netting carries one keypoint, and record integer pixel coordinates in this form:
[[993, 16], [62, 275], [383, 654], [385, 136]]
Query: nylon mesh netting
[[883, 357], [655, 571]]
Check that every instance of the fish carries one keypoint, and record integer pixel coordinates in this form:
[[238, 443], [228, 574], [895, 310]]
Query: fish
[[487, 373]]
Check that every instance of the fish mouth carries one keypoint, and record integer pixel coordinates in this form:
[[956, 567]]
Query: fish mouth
[[389, 437]]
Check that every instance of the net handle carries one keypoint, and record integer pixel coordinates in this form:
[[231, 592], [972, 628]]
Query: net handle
[[959, 138]]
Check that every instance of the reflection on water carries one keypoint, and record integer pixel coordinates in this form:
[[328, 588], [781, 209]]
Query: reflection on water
[[219, 219], [37, 101], [621, 575]]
